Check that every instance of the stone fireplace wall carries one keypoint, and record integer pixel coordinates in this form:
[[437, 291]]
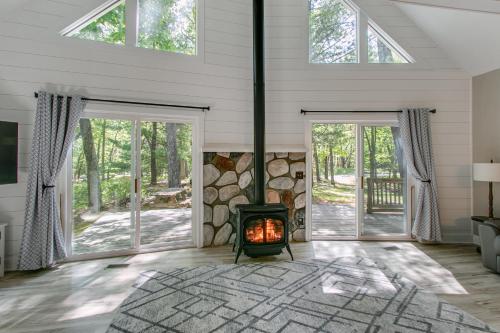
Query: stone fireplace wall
[[228, 180]]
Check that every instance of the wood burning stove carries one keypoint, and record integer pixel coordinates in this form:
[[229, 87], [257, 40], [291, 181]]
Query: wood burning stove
[[262, 228]]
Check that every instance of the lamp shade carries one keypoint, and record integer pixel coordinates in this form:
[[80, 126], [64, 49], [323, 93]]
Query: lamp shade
[[486, 172]]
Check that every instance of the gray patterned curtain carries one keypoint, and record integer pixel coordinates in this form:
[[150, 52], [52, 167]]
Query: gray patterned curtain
[[417, 146], [56, 119]]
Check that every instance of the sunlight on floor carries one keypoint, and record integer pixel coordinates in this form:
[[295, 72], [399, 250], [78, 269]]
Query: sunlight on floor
[[104, 305], [403, 260]]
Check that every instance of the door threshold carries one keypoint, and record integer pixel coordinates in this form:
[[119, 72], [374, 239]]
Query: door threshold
[[125, 253], [370, 239]]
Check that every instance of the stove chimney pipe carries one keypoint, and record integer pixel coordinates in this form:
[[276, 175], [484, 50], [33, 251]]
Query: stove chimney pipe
[[259, 113]]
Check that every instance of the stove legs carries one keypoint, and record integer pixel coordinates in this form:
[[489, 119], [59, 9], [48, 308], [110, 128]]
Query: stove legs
[[240, 249], [289, 250], [238, 254]]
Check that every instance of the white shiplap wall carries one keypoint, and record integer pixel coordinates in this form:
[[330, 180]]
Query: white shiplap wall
[[433, 81], [33, 56]]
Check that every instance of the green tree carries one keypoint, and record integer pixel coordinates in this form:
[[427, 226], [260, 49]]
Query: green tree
[[168, 25], [109, 28], [332, 32]]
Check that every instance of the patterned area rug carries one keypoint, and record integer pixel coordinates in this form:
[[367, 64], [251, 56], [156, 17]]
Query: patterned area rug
[[343, 295]]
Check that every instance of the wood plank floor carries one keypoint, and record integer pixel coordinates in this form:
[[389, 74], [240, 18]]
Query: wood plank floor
[[81, 296]]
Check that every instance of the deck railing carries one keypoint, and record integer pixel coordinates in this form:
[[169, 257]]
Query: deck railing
[[385, 195]]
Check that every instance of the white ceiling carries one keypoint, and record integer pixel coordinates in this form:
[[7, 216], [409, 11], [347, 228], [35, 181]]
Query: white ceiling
[[469, 31]]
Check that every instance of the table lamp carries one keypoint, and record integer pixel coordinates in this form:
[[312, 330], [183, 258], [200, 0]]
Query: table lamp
[[487, 172]]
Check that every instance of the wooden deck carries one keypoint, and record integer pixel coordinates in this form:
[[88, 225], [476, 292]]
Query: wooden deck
[[113, 230], [337, 221], [82, 296]]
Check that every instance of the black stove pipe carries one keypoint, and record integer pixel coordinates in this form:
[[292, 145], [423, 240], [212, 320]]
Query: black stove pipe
[[259, 113]]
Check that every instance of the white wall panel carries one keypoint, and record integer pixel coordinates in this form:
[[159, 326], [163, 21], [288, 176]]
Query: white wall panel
[[33, 56]]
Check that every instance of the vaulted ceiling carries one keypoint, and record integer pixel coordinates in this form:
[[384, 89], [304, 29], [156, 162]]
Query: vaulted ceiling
[[467, 30]]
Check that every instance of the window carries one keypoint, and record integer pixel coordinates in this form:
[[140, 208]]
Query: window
[[334, 27], [381, 51], [168, 25], [132, 185], [106, 26], [332, 32]]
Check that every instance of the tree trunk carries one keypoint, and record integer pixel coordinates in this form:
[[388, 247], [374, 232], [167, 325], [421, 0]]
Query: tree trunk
[[103, 152], [325, 164], [372, 145], [78, 167], [184, 170], [154, 168], [396, 137], [332, 167], [111, 154], [173, 156], [384, 53], [316, 162], [93, 183]]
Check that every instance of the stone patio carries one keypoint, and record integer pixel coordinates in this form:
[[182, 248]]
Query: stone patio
[[333, 221], [113, 232]]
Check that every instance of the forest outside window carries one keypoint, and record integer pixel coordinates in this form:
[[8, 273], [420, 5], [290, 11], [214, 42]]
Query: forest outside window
[[333, 36], [381, 49], [166, 25], [339, 30], [107, 25]]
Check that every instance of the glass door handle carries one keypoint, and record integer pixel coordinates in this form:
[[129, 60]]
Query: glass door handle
[[362, 182], [136, 181]]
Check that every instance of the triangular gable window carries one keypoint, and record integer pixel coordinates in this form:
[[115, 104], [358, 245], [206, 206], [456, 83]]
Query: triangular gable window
[[167, 25], [105, 24], [383, 50], [334, 27]]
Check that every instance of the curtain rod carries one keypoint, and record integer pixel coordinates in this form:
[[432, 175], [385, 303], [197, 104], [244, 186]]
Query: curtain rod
[[202, 108], [304, 112]]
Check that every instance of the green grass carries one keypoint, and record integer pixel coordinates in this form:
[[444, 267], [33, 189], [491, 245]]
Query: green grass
[[324, 192], [80, 227], [344, 171]]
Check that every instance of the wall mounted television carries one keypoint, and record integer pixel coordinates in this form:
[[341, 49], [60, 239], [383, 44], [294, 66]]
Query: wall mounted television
[[8, 152]]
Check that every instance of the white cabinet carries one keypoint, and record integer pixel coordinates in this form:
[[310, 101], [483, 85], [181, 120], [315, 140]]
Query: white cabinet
[[2, 249]]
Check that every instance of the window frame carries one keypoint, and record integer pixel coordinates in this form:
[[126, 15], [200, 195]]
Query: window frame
[[136, 114], [360, 121], [390, 42], [357, 12], [131, 34], [363, 24], [95, 14]]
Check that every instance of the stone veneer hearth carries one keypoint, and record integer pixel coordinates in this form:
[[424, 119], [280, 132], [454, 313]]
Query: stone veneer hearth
[[228, 180]]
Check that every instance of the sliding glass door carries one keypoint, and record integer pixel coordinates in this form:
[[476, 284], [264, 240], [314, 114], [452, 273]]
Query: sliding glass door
[[131, 186], [166, 184], [384, 183], [103, 186], [334, 181], [359, 182]]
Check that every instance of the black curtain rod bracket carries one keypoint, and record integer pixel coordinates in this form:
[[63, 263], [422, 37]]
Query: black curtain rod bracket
[[304, 112], [192, 107]]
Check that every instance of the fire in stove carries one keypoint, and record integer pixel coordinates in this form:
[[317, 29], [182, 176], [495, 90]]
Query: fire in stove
[[264, 231]]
